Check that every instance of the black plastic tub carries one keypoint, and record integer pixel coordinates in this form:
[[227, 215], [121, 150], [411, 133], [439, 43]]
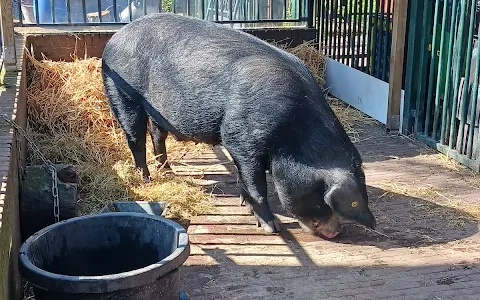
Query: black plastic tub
[[118, 255]]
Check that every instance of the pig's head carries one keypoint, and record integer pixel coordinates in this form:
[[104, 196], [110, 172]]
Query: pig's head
[[348, 198], [340, 193]]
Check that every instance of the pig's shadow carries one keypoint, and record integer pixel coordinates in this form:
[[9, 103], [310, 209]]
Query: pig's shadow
[[402, 221]]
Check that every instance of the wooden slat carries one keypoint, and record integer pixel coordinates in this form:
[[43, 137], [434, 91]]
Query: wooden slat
[[8, 35], [396, 65]]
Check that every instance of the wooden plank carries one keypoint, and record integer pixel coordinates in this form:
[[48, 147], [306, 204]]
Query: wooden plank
[[396, 65], [8, 35]]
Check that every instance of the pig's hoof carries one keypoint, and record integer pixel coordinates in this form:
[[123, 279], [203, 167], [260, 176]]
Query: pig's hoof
[[250, 209], [272, 226], [242, 202], [147, 179]]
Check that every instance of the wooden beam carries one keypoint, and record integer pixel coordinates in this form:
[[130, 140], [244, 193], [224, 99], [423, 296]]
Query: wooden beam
[[396, 65], [8, 35]]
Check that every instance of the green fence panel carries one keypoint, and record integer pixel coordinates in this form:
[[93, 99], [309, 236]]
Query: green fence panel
[[442, 78]]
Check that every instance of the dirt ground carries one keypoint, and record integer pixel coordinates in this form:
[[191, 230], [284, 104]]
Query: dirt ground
[[427, 245]]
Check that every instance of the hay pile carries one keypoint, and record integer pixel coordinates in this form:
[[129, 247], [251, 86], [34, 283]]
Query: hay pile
[[313, 58], [70, 120], [316, 61]]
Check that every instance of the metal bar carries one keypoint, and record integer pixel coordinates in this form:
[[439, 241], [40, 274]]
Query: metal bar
[[231, 9], [364, 33], [380, 46], [309, 13], [359, 31], [130, 8], [448, 74], [347, 32], [420, 101], [84, 10], [203, 9], [350, 34], [300, 9], [338, 33], [53, 10], [335, 33], [100, 19], [115, 16], [244, 10], [284, 9], [329, 25], [339, 26], [258, 9], [174, 7], [221, 8], [37, 13], [473, 106], [69, 15], [436, 117], [318, 24], [145, 6], [19, 9], [374, 42], [463, 106], [432, 69], [344, 33], [369, 37], [323, 22], [258, 21], [385, 41], [219, 22], [354, 56]]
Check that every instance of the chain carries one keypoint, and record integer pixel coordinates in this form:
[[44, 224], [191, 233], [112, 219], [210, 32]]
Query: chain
[[56, 203], [48, 164]]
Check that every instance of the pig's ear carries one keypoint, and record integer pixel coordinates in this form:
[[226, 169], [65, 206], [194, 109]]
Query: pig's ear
[[330, 195]]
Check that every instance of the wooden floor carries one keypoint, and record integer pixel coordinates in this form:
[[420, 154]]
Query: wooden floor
[[429, 247]]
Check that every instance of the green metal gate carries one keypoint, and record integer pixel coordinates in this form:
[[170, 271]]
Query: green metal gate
[[442, 76]]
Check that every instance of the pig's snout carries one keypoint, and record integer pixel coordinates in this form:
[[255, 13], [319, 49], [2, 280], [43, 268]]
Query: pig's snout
[[365, 218], [326, 228]]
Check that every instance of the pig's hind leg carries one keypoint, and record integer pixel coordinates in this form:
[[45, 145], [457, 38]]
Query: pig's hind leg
[[159, 136], [132, 118]]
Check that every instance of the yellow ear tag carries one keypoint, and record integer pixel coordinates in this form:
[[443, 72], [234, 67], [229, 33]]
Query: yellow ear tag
[[354, 204]]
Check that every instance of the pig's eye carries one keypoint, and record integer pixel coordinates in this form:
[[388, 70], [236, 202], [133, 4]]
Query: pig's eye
[[354, 204]]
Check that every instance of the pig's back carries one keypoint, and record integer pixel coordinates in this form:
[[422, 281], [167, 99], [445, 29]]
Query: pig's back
[[198, 74]]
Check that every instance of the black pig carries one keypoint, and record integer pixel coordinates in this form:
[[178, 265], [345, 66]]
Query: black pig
[[204, 82]]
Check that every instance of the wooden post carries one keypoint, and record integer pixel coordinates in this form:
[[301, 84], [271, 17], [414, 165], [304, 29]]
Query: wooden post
[[8, 35], [396, 65]]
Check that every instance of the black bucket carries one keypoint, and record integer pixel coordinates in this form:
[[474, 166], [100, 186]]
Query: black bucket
[[117, 256]]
